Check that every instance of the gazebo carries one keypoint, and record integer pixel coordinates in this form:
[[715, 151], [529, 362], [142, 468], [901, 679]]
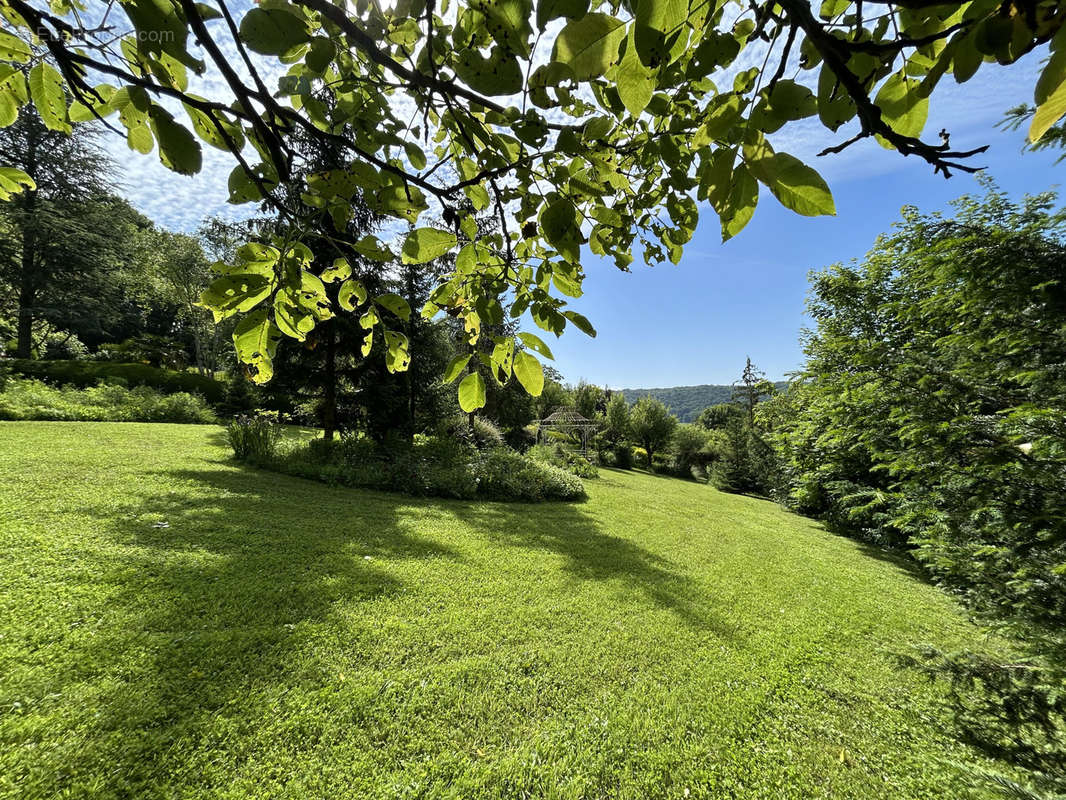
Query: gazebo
[[569, 422]]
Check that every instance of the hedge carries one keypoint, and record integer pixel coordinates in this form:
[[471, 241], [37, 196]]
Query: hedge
[[88, 373]]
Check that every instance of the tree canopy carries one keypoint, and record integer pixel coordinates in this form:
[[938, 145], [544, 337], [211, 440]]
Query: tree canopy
[[575, 124]]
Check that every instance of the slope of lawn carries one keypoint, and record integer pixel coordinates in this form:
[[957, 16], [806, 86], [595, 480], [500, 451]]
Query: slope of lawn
[[173, 625]]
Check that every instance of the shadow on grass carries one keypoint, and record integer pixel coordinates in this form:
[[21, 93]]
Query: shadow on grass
[[213, 609], [593, 555], [215, 613]]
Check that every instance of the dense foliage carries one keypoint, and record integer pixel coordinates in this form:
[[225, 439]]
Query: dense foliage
[[439, 466], [88, 373], [573, 124], [932, 410], [33, 400], [931, 415]]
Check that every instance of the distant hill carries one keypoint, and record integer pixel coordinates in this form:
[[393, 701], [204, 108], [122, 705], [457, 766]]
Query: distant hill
[[686, 402]]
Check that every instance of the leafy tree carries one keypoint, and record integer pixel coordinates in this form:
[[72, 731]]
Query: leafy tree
[[747, 464], [931, 415], [624, 124], [590, 401], [716, 417], [553, 396], [183, 273], [688, 448], [931, 408], [616, 422], [652, 425], [751, 388], [70, 241]]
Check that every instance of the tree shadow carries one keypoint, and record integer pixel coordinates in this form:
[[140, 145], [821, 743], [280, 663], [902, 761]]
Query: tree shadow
[[593, 555], [214, 591]]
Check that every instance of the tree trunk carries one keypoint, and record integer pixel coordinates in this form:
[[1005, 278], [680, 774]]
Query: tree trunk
[[27, 297], [329, 391]]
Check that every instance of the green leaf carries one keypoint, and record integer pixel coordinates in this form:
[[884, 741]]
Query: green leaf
[[635, 83], [565, 283], [405, 202], [589, 45], [529, 373], [351, 295], [372, 248], [397, 353], [340, 271], [320, 54], [394, 303], [581, 322], [178, 149], [273, 32], [256, 339], [415, 155], [502, 358], [243, 189], [49, 97], [258, 253], [902, 106], [558, 223], [796, 185], [499, 74], [1048, 113], [738, 205], [292, 317], [12, 48], [13, 181], [455, 368], [426, 244], [13, 94], [658, 30], [547, 10], [80, 112], [535, 343], [472, 392], [834, 105], [204, 124], [236, 292]]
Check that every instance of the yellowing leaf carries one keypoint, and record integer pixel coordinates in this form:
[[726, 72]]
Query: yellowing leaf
[[1048, 113], [49, 97]]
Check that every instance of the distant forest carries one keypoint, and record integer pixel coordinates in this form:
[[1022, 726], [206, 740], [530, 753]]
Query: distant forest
[[686, 402]]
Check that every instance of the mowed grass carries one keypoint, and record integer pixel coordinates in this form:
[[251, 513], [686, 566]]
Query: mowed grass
[[279, 638]]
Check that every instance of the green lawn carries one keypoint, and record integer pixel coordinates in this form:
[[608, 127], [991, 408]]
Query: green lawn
[[278, 638]]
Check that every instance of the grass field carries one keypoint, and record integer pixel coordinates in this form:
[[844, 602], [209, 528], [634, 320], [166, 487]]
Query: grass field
[[172, 625]]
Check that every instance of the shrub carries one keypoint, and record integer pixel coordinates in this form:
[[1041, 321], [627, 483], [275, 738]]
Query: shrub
[[485, 434], [438, 466], [559, 456], [58, 346], [254, 438], [688, 444], [622, 456], [506, 475], [23, 399], [89, 373]]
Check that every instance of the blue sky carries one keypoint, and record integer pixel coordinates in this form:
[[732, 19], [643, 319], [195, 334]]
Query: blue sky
[[696, 322]]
